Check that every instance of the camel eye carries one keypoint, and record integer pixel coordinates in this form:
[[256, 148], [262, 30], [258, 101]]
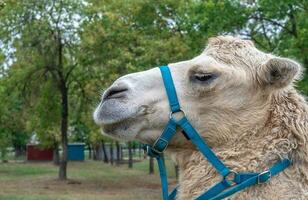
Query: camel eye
[[204, 77]]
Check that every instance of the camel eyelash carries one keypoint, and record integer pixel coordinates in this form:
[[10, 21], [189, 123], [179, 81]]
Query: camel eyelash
[[205, 77], [202, 77]]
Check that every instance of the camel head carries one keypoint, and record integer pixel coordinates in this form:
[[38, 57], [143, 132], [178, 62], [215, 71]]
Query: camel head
[[224, 91]]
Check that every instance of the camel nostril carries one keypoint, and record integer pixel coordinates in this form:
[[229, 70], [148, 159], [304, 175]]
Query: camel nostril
[[115, 92]]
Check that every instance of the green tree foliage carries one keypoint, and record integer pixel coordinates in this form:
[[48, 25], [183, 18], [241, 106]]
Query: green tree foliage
[[281, 28], [12, 119], [44, 36], [56, 56], [46, 114], [125, 36], [122, 37]]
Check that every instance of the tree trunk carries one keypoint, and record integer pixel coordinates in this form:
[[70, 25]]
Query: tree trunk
[[4, 152], [90, 151], [64, 125], [19, 151], [95, 156], [56, 155], [98, 151], [130, 155], [63, 88], [134, 148], [104, 152], [306, 63], [111, 153], [121, 153], [151, 166], [118, 152], [139, 151], [145, 155]]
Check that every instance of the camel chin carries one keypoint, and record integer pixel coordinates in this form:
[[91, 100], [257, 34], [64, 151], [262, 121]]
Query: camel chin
[[116, 119]]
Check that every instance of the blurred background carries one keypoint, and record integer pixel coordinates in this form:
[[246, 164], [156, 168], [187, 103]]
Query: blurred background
[[57, 57]]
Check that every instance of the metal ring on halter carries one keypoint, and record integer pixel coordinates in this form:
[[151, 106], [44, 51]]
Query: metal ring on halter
[[230, 177], [171, 115]]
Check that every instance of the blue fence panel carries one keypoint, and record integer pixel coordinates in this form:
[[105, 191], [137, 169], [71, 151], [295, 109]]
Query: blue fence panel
[[76, 152]]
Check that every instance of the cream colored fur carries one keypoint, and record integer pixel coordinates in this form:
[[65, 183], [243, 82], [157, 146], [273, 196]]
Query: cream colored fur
[[284, 135]]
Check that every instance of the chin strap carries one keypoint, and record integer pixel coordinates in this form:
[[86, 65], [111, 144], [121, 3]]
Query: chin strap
[[231, 181]]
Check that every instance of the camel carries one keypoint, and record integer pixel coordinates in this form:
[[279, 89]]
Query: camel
[[243, 103]]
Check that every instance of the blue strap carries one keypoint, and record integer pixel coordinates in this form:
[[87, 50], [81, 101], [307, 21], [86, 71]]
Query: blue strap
[[260, 178], [163, 176], [215, 190], [224, 184], [242, 180], [203, 147], [162, 142], [172, 195], [156, 151], [170, 89]]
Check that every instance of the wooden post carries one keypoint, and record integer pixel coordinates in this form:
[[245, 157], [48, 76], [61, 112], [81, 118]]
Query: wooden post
[[151, 165], [118, 152], [130, 155], [111, 153]]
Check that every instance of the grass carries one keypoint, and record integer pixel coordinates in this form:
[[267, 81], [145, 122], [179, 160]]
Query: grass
[[89, 180]]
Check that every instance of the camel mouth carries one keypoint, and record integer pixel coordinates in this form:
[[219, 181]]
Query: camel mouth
[[121, 128], [114, 128], [112, 112]]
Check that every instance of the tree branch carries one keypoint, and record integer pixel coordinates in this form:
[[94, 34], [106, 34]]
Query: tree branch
[[291, 15], [70, 70]]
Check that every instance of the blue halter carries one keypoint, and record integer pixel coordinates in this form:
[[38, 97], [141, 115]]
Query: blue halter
[[231, 181]]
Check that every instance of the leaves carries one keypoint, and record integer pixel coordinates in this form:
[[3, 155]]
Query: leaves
[[88, 44]]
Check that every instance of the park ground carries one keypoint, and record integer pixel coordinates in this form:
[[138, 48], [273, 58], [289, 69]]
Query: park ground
[[88, 180]]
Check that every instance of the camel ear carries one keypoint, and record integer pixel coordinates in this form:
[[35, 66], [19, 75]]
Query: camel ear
[[278, 72]]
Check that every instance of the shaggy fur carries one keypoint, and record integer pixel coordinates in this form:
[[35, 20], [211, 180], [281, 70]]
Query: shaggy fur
[[283, 136]]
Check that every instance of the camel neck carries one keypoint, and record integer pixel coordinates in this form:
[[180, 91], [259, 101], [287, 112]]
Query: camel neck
[[248, 154], [281, 135]]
